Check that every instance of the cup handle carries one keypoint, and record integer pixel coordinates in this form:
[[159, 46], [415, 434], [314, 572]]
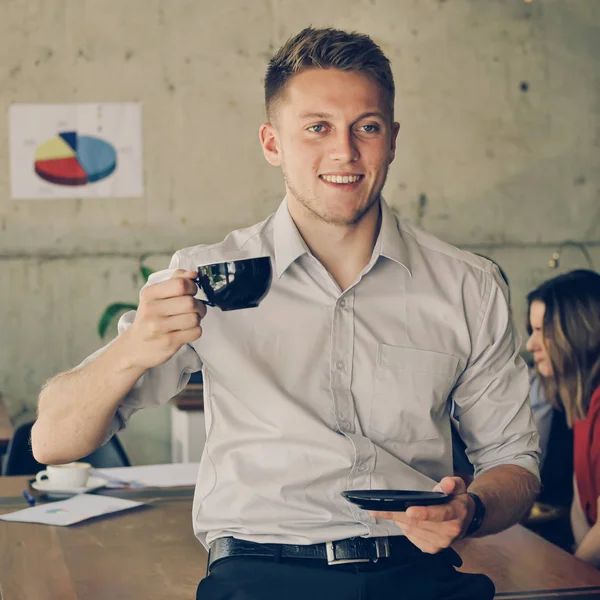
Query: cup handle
[[201, 294], [41, 476]]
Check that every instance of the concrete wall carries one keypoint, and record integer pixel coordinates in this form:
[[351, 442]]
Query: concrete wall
[[499, 103]]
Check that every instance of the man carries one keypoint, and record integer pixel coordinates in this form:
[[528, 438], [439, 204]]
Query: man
[[344, 376]]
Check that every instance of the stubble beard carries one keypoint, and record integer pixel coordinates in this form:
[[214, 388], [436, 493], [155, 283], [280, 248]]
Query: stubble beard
[[311, 204]]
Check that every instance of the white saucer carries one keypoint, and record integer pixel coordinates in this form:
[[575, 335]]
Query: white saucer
[[45, 487]]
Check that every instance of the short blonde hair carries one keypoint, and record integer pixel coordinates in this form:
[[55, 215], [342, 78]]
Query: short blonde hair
[[327, 48]]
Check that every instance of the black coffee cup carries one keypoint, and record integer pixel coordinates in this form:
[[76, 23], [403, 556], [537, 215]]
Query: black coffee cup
[[235, 284]]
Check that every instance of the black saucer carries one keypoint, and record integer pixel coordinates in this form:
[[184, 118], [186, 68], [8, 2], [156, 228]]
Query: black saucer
[[394, 500]]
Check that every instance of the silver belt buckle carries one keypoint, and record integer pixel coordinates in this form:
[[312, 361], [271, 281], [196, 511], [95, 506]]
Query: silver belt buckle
[[382, 549]]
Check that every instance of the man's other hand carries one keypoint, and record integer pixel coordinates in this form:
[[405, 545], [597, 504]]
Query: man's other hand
[[435, 527]]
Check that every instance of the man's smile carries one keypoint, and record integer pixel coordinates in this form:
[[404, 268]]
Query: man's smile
[[348, 181]]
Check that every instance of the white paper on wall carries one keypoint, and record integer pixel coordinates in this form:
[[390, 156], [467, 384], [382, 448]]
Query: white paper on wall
[[75, 150]]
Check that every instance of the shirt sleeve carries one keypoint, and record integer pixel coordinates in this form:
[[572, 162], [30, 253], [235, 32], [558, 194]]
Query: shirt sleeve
[[159, 384], [490, 398], [542, 414]]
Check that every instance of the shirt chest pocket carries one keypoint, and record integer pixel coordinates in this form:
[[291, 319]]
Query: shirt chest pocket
[[410, 393]]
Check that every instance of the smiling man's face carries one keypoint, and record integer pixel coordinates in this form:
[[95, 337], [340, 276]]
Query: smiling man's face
[[333, 136]]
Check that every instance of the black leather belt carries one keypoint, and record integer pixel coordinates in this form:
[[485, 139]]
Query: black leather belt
[[351, 550]]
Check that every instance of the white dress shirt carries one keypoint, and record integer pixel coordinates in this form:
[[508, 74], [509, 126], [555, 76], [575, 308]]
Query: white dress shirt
[[317, 391]]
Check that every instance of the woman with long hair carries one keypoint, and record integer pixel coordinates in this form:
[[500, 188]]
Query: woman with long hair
[[564, 328]]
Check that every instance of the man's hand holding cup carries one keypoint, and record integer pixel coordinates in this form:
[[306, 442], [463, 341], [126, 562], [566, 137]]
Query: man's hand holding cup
[[168, 316]]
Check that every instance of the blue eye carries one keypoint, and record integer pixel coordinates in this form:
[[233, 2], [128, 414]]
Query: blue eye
[[370, 128], [314, 128]]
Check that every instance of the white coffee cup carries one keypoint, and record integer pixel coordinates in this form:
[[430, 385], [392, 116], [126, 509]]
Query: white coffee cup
[[67, 476]]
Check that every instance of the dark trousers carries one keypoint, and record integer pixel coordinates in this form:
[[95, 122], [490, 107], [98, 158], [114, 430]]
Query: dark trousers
[[425, 577]]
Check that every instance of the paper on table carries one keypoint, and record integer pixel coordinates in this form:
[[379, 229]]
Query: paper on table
[[75, 509], [167, 475]]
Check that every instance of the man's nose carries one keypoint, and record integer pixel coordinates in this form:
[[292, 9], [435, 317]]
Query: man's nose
[[344, 148]]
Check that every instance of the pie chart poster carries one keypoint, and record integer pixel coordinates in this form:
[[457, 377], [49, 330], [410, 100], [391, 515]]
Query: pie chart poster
[[75, 151]]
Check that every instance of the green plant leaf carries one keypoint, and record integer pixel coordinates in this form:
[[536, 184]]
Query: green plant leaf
[[146, 272], [110, 313]]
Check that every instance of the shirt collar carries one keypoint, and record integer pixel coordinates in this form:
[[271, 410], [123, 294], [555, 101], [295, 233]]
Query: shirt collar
[[289, 244], [389, 241]]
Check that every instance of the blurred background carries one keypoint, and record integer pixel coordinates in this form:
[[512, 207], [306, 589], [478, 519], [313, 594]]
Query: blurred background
[[499, 149]]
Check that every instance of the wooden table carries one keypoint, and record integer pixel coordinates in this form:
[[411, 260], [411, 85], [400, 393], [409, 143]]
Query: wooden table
[[524, 565], [151, 554], [148, 553], [6, 428]]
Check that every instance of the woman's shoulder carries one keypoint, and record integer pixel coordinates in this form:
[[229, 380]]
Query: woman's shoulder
[[587, 431], [594, 408], [586, 438]]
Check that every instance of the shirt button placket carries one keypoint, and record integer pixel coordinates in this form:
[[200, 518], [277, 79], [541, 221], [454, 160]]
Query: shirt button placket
[[341, 372]]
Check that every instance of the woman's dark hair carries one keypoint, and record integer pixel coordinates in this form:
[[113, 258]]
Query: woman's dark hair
[[571, 331]]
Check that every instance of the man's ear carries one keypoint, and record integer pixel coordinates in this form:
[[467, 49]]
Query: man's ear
[[393, 140], [270, 144]]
